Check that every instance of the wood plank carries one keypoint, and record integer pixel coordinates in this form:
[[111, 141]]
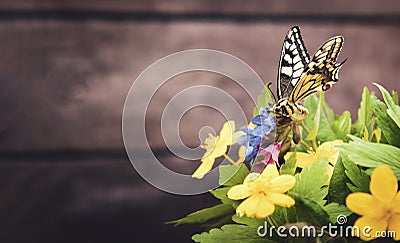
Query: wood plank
[[285, 7], [68, 87], [103, 201]]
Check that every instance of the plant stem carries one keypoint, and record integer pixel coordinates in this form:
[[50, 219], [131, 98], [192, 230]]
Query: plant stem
[[314, 145], [313, 142], [305, 145], [229, 159], [304, 127], [271, 221]]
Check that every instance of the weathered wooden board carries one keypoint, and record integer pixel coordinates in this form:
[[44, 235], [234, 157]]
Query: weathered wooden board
[[64, 84], [67, 66], [88, 201], [285, 7]]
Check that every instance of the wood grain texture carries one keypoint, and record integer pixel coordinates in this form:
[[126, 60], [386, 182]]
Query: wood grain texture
[[207, 6], [67, 66], [89, 201], [64, 84]]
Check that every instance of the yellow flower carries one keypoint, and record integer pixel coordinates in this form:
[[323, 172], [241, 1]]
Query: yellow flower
[[216, 146], [379, 210], [263, 192], [325, 150]]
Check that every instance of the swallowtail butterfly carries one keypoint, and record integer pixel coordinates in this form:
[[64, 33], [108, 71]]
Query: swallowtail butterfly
[[300, 76]]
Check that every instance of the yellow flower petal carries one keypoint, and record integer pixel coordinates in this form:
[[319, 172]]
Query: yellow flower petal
[[239, 192], [282, 183], [252, 125], [265, 207], [216, 146], [374, 224], [383, 184], [251, 178], [396, 203], [305, 159], [280, 199], [329, 172], [236, 135], [204, 168], [394, 225], [248, 207], [241, 154], [226, 134], [218, 151], [380, 209], [209, 144], [362, 203], [327, 150], [259, 189], [257, 205], [270, 172]]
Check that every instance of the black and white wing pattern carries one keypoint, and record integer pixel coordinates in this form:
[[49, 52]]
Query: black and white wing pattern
[[321, 72], [294, 58], [328, 52]]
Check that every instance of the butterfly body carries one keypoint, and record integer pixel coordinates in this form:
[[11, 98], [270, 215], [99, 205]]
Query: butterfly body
[[287, 112], [300, 76]]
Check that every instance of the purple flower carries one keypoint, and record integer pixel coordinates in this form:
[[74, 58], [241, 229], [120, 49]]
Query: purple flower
[[268, 155]]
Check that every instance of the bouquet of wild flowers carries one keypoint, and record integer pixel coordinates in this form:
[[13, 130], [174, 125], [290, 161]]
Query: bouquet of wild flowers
[[303, 171]]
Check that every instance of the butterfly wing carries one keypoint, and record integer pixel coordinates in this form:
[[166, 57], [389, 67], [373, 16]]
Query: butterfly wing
[[321, 72], [294, 58]]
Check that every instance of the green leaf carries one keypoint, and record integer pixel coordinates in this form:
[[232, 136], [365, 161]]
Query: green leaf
[[221, 193], [289, 167], [265, 99], [342, 125], [371, 155], [244, 231], [352, 187], [365, 118], [304, 210], [325, 132], [230, 175], [338, 189], [357, 176], [230, 233], [334, 210], [204, 215], [315, 124], [390, 130], [310, 180], [311, 103], [307, 210], [254, 222], [280, 216], [219, 223], [395, 97], [329, 114], [393, 109]]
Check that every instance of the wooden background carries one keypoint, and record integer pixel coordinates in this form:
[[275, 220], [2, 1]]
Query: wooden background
[[67, 66]]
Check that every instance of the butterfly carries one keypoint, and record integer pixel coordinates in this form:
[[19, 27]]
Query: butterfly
[[300, 76]]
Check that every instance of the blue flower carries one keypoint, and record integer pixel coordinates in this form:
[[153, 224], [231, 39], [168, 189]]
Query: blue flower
[[264, 122], [260, 126], [251, 142]]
